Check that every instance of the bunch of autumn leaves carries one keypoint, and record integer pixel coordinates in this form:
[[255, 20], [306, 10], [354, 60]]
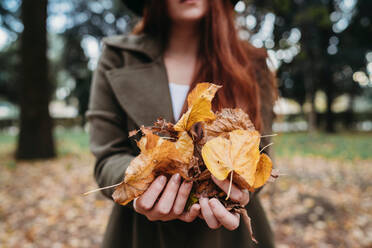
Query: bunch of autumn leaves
[[201, 143]]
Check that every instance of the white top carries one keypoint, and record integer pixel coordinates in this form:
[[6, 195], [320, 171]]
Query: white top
[[178, 94]]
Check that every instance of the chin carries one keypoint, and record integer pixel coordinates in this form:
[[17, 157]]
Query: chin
[[190, 16], [187, 10]]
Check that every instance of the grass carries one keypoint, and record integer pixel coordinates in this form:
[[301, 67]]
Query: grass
[[343, 146], [67, 142]]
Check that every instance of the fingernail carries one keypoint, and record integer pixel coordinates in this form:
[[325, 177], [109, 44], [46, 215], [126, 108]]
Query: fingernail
[[163, 179], [176, 177], [196, 206], [213, 202]]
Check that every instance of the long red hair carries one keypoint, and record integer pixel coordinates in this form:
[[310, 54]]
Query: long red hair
[[223, 58]]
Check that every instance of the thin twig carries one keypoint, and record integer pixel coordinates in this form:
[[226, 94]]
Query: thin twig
[[99, 189], [170, 138], [272, 143], [269, 135]]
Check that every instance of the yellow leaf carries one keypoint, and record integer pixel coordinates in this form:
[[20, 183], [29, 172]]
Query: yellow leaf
[[206, 90], [263, 170], [185, 147], [239, 153], [199, 106]]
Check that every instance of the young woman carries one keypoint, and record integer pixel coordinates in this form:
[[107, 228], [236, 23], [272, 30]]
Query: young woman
[[146, 75]]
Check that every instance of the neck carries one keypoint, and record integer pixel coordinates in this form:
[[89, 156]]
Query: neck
[[183, 39]]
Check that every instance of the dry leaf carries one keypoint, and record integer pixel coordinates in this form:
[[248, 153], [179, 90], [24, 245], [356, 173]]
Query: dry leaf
[[202, 90], [239, 153], [226, 121], [220, 144], [158, 156], [140, 172], [185, 146], [263, 170], [199, 106]]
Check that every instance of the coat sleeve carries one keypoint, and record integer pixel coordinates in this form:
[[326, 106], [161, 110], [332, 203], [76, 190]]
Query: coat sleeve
[[108, 130]]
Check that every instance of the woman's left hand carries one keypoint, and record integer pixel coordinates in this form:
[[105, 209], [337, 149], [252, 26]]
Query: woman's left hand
[[215, 214]]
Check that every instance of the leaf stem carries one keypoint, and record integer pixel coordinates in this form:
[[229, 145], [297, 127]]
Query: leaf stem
[[269, 135], [272, 143], [168, 138], [229, 191], [99, 189]]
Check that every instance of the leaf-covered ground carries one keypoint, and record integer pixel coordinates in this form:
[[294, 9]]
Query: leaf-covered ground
[[317, 202]]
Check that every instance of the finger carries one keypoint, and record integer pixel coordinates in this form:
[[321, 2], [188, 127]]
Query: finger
[[236, 194], [146, 201], [208, 215], [135, 204], [190, 216], [182, 196], [165, 204], [228, 220]]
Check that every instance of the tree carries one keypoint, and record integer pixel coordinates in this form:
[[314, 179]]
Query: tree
[[94, 19], [332, 46], [35, 138]]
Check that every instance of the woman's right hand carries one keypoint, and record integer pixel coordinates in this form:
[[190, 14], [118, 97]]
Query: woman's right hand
[[168, 205]]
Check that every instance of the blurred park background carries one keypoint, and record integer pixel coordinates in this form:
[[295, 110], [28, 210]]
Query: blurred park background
[[322, 51]]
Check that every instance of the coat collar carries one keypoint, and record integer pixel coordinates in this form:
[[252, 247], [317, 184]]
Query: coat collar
[[142, 89], [142, 43]]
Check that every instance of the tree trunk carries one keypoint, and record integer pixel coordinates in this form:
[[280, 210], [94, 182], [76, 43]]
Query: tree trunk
[[310, 97], [35, 138], [330, 119], [349, 116]]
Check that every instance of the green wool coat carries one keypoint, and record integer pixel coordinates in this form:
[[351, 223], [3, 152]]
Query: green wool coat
[[130, 89]]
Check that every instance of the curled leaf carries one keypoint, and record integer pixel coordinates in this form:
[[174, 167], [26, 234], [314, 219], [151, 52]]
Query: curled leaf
[[158, 156], [263, 171], [199, 106], [185, 146], [140, 172], [202, 90]]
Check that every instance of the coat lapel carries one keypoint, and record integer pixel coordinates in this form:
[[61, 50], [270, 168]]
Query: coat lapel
[[143, 91]]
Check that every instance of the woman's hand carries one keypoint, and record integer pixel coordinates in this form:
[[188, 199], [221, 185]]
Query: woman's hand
[[215, 214], [168, 205]]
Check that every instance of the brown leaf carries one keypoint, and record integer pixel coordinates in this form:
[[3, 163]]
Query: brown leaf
[[164, 129], [158, 156], [226, 121]]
